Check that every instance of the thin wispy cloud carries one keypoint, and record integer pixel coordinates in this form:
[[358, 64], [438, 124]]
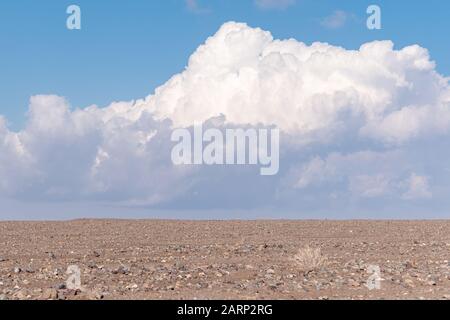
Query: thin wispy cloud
[[274, 4], [336, 20], [195, 7]]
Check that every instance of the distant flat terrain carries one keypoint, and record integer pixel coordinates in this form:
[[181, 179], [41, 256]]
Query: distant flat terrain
[[226, 260]]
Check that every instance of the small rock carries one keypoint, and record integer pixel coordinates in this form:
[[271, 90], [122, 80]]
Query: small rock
[[17, 270], [21, 295], [93, 295], [353, 283], [50, 294], [61, 286], [61, 295], [121, 270], [409, 283]]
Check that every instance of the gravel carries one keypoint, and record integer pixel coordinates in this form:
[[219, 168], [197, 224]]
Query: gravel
[[225, 260]]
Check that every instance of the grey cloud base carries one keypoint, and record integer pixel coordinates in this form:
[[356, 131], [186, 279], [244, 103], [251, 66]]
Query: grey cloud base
[[363, 133]]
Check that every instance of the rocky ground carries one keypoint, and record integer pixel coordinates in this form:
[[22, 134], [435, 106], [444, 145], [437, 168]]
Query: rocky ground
[[225, 260]]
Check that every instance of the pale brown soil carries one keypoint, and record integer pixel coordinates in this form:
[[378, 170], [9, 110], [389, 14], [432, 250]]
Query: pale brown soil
[[224, 260]]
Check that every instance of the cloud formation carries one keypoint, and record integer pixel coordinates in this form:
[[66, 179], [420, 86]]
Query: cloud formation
[[359, 128]]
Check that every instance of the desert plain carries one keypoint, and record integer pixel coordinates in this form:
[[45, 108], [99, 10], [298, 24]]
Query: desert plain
[[156, 259]]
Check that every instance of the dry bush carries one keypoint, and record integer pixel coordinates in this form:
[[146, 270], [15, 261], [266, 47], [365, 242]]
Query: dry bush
[[310, 259]]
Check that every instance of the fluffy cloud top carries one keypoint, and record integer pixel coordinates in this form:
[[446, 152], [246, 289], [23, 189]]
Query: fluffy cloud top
[[356, 125], [250, 78]]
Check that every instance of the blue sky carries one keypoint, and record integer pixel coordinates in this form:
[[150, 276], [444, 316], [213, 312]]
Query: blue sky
[[364, 134], [127, 48]]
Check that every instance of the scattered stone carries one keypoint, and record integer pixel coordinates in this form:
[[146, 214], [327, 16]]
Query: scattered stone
[[61, 286], [353, 283], [50, 294], [21, 295], [409, 283], [409, 265], [29, 270], [157, 266], [121, 270], [96, 295]]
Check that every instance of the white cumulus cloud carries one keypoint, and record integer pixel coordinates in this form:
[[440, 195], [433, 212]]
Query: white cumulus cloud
[[246, 75], [356, 125]]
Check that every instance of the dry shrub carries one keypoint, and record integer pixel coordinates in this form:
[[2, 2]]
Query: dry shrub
[[310, 259]]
